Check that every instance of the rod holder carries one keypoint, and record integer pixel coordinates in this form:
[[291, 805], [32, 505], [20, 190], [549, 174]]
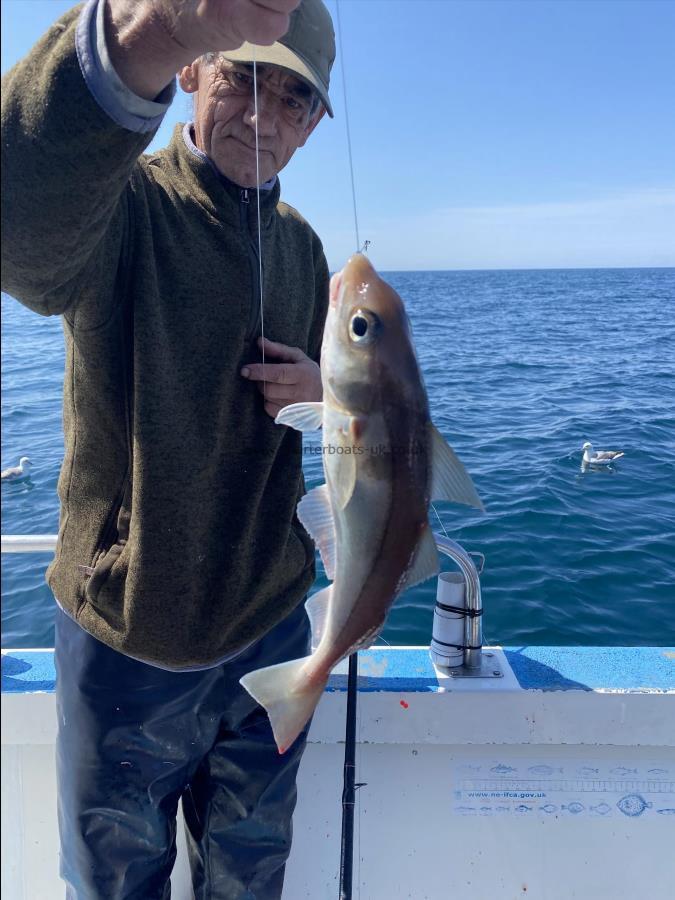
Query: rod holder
[[473, 625]]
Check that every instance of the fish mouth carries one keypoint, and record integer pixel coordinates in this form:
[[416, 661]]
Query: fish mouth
[[358, 270]]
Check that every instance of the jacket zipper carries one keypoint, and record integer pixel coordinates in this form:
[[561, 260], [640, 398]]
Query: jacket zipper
[[254, 260]]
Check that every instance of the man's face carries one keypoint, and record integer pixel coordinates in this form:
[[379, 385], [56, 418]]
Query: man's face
[[225, 117]]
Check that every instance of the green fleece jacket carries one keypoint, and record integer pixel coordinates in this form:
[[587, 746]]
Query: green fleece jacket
[[178, 540]]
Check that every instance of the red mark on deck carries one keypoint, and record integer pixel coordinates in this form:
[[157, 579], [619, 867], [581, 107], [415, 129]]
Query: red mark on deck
[[404, 704]]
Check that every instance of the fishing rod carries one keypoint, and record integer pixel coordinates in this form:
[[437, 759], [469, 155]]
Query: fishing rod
[[349, 785]]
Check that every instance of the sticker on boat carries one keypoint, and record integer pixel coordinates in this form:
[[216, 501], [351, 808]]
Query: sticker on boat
[[555, 789]]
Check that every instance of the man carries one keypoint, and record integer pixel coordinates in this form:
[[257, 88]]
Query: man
[[180, 563]]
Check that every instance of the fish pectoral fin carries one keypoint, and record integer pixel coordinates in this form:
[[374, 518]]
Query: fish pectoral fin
[[449, 478], [316, 608], [356, 427], [425, 564], [287, 695], [344, 485], [301, 416], [316, 515]]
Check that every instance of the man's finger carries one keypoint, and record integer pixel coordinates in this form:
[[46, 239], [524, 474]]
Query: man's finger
[[278, 392], [271, 372], [273, 409], [264, 22], [285, 6], [281, 351]]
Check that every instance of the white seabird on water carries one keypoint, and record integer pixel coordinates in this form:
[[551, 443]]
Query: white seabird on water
[[600, 457], [17, 473]]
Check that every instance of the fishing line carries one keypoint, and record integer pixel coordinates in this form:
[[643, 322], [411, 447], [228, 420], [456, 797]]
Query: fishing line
[[349, 138], [257, 197], [440, 521]]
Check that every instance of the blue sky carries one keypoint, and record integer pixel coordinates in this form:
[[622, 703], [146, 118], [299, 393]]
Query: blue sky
[[485, 133]]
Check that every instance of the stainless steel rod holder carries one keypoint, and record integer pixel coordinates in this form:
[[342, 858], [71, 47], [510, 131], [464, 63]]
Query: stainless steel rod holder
[[473, 624]]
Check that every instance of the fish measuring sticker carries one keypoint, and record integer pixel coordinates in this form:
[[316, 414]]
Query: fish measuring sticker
[[556, 789]]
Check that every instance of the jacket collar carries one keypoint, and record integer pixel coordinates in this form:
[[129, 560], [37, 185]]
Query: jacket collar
[[213, 190]]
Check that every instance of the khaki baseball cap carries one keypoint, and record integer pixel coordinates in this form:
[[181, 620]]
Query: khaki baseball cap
[[307, 49]]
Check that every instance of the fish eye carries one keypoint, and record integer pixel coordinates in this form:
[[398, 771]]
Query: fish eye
[[363, 327], [359, 326]]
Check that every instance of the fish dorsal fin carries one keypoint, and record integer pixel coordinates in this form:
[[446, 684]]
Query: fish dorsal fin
[[425, 564], [301, 416], [449, 478], [315, 513], [317, 611]]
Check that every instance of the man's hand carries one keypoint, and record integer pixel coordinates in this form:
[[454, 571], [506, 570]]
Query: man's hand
[[296, 379], [150, 40], [201, 25]]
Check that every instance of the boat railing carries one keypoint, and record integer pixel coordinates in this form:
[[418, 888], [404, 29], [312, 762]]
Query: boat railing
[[28, 543], [473, 634], [473, 619]]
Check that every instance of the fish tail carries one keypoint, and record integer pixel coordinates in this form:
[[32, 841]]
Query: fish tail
[[287, 695]]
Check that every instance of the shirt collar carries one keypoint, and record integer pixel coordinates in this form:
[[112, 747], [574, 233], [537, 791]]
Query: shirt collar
[[192, 147]]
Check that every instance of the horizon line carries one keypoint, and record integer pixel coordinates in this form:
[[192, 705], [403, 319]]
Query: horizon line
[[533, 269]]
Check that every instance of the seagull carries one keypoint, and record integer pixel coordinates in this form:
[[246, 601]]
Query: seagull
[[601, 457], [17, 473]]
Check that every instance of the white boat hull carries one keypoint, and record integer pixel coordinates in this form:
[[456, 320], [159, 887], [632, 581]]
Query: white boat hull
[[556, 781]]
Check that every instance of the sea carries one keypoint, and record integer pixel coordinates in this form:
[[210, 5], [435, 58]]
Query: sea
[[521, 367]]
